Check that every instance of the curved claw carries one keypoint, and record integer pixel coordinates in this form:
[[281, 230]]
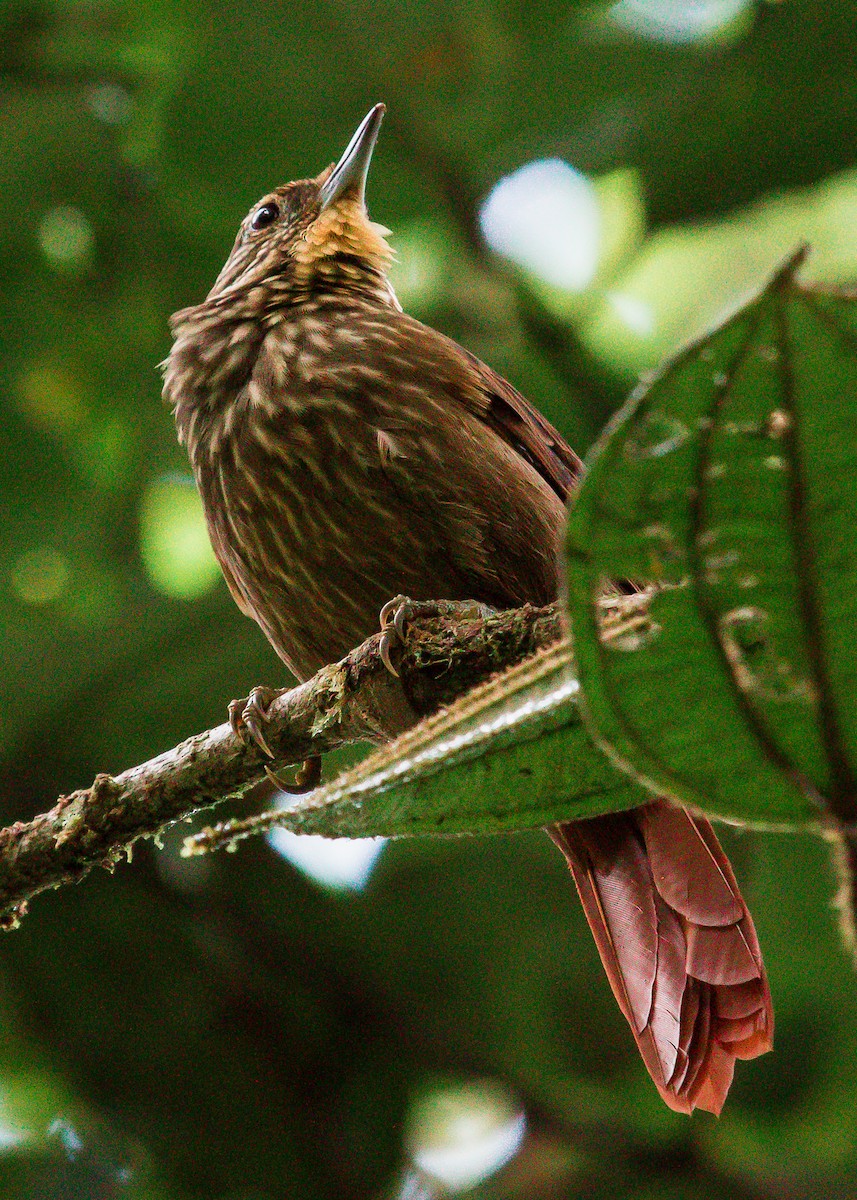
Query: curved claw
[[307, 778], [384, 648], [389, 614], [393, 619], [396, 614], [254, 729], [400, 617], [247, 717]]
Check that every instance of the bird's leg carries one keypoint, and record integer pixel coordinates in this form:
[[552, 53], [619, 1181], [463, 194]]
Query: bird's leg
[[396, 614], [248, 717]]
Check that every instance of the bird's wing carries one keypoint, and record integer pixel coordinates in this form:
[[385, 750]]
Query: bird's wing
[[524, 428], [469, 381]]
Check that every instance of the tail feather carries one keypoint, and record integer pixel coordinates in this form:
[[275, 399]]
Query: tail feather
[[678, 945], [700, 1048], [687, 869], [741, 1001]]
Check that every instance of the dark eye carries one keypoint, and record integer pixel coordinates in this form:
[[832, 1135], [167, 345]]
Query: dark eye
[[265, 215]]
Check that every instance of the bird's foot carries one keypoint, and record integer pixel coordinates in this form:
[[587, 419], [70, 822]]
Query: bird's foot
[[248, 718], [307, 777], [396, 614]]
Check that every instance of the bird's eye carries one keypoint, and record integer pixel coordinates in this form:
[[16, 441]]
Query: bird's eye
[[265, 215]]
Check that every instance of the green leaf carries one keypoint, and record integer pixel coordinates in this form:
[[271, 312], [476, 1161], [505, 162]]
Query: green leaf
[[730, 479], [511, 754]]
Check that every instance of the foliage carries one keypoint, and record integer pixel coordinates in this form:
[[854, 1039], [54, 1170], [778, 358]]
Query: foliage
[[221, 1027], [729, 481]]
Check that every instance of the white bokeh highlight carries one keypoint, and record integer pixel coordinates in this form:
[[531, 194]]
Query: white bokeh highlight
[[677, 21], [545, 217], [636, 314], [461, 1134], [344, 864], [473, 1151]]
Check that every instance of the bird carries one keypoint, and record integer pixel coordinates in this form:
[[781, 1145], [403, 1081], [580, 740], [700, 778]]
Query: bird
[[347, 453]]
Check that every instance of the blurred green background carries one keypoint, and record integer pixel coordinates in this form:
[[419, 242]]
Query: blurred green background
[[574, 189]]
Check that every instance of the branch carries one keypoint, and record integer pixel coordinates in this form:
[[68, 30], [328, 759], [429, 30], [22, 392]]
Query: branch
[[355, 700]]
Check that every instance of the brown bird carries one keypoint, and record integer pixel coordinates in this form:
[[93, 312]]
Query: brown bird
[[346, 453]]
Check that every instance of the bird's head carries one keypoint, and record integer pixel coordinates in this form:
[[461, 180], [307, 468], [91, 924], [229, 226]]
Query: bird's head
[[305, 245], [313, 234]]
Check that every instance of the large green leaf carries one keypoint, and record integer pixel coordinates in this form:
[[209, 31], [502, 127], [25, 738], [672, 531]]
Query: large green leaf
[[731, 480]]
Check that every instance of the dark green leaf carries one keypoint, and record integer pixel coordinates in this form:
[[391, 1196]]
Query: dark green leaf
[[729, 479]]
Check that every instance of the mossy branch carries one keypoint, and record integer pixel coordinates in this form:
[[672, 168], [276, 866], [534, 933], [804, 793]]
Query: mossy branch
[[355, 700]]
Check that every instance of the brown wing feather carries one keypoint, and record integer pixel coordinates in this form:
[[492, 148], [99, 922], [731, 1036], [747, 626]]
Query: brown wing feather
[[671, 924], [524, 428], [469, 381]]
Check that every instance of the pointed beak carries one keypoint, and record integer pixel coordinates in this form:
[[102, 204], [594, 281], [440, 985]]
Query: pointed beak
[[348, 177]]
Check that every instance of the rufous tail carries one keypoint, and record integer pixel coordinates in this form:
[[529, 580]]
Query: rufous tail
[[678, 945]]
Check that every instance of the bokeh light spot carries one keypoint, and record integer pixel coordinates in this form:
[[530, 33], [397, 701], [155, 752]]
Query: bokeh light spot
[[40, 576], [110, 103], [462, 1134], [10, 1138], [66, 239], [545, 217], [683, 21], [51, 397], [344, 864], [174, 540], [65, 1133], [637, 315]]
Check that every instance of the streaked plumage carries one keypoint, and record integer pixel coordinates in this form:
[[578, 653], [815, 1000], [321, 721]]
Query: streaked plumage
[[345, 453]]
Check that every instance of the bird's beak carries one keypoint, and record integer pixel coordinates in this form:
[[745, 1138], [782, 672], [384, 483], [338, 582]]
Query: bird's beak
[[348, 177]]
